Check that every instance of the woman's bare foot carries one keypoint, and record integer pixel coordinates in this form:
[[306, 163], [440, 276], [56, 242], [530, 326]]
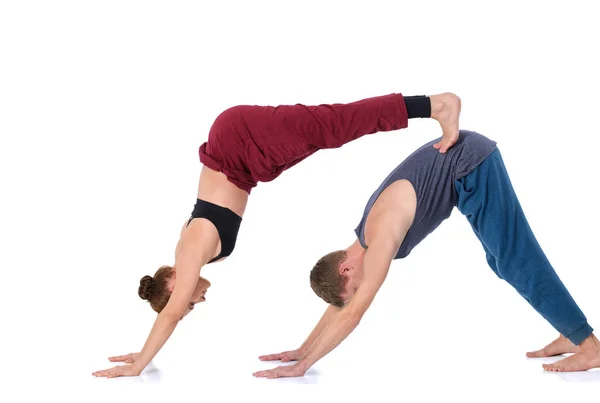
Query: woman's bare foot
[[445, 108], [559, 346], [588, 357]]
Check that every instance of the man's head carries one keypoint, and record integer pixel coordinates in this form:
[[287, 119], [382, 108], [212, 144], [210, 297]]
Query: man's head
[[337, 275]]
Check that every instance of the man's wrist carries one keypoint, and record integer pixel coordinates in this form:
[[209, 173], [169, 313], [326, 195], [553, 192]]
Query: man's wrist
[[304, 364]]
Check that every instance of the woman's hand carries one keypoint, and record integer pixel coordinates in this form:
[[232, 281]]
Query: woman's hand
[[127, 358], [120, 370]]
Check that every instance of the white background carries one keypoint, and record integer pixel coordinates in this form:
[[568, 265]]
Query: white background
[[103, 106]]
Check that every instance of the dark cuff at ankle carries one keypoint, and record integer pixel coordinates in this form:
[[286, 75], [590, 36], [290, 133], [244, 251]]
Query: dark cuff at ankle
[[418, 106]]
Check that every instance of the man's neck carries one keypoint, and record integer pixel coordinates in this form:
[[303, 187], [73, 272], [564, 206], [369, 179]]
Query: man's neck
[[355, 250]]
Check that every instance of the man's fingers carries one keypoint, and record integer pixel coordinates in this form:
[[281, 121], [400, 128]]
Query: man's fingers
[[100, 373], [267, 373], [260, 373], [270, 357]]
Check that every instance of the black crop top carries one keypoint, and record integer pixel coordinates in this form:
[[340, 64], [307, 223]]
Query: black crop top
[[226, 221]]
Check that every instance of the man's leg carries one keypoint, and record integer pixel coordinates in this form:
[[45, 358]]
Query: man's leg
[[486, 197]]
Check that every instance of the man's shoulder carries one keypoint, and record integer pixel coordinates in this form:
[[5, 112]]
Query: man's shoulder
[[393, 210]]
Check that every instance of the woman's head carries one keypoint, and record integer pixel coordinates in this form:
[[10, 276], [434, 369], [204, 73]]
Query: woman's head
[[157, 290]]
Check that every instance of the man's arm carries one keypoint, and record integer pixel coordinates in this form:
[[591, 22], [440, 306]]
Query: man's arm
[[295, 355], [330, 313], [377, 261]]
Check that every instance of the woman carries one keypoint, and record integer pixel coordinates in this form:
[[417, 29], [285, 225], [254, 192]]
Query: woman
[[250, 144]]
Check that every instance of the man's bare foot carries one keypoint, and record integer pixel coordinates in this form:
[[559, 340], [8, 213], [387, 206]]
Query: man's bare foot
[[588, 357], [559, 346], [445, 108]]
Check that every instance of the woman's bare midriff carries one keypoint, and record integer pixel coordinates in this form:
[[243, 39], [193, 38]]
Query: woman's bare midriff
[[215, 188]]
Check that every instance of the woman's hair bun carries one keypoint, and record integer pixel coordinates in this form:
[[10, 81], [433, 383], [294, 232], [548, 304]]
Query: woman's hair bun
[[146, 287]]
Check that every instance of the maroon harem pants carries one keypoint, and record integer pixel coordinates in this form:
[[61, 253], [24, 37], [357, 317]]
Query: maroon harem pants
[[252, 144]]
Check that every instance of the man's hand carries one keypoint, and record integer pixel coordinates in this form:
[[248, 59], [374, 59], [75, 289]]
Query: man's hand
[[377, 261], [285, 371], [286, 356], [120, 370]]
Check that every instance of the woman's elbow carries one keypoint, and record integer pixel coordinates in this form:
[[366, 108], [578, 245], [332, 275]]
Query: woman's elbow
[[171, 316]]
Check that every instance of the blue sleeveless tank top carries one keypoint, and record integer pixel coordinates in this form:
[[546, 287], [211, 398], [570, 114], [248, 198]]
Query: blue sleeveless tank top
[[432, 175]]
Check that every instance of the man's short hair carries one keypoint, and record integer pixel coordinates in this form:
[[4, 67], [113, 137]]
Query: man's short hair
[[326, 280]]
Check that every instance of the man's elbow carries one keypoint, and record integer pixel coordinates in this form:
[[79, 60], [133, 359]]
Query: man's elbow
[[352, 316]]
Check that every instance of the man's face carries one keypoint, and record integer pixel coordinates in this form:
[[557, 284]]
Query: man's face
[[352, 270]]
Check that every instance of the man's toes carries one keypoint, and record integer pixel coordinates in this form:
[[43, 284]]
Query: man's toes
[[548, 367], [536, 354]]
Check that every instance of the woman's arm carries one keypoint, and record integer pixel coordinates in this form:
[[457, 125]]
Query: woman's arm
[[198, 247], [188, 265], [178, 246]]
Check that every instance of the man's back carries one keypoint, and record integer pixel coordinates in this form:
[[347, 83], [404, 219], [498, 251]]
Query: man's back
[[432, 175]]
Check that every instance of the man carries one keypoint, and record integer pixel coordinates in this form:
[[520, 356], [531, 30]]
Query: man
[[412, 202]]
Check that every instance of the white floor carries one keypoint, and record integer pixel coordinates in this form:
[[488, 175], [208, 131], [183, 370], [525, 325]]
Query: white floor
[[490, 368]]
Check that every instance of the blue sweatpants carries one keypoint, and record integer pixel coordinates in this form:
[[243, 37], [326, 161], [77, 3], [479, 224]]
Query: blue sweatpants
[[486, 197]]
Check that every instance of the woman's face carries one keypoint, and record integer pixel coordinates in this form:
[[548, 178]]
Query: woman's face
[[199, 294]]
